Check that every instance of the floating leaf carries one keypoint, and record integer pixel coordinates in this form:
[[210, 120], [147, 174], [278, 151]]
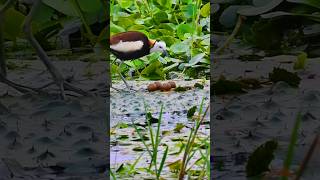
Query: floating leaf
[[175, 166], [179, 127], [260, 159], [223, 86], [257, 10], [279, 74], [191, 111], [198, 85]]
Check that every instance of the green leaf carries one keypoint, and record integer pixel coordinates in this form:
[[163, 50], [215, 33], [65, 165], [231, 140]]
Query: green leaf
[[65, 7], [182, 29], [154, 71], [12, 24], [223, 86], [279, 74], [190, 11], [254, 10], [179, 48], [191, 111], [195, 59], [179, 127], [165, 3], [205, 10], [125, 4], [260, 159], [293, 141], [229, 16], [301, 61], [115, 28], [90, 6], [43, 14], [160, 17]]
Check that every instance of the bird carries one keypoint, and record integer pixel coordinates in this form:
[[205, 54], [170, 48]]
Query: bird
[[132, 45]]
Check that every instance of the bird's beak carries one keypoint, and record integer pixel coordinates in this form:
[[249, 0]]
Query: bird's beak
[[165, 53]]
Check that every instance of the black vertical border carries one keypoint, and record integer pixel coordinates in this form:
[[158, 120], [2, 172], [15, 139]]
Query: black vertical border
[[212, 65], [108, 86]]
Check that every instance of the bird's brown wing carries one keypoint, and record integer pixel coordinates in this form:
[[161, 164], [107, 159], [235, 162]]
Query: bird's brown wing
[[128, 36]]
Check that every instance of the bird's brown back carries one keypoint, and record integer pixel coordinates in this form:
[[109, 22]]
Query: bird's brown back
[[128, 36]]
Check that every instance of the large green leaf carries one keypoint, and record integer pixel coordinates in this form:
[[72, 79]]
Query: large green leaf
[[182, 29], [154, 71], [190, 11], [115, 28], [62, 6], [43, 14], [12, 24], [160, 17], [90, 6], [195, 59], [179, 48], [125, 3], [257, 10], [229, 16]]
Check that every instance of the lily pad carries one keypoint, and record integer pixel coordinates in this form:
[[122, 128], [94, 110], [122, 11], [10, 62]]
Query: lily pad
[[257, 10]]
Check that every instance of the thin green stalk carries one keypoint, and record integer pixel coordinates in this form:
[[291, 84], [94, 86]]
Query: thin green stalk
[[135, 163], [307, 157], [141, 137], [156, 145], [293, 140], [232, 36], [191, 140], [112, 175], [151, 134], [164, 157], [77, 7]]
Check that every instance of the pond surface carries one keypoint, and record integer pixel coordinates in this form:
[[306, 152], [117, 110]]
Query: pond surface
[[243, 122], [129, 107]]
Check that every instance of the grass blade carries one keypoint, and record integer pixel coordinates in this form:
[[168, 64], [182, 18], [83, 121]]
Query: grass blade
[[164, 157], [293, 140]]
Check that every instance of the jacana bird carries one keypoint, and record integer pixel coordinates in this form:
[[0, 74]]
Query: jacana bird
[[133, 45]]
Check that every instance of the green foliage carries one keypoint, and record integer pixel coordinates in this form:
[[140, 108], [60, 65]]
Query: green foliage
[[276, 26], [183, 25], [292, 144]]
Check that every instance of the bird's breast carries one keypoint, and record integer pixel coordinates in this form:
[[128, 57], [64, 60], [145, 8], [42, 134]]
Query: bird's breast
[[127, 46]]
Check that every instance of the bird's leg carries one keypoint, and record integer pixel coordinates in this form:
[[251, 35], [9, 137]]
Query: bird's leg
[[55, 73], [123, 79]]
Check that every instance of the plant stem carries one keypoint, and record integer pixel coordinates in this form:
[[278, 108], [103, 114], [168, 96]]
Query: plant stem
[[307, 157], [191, 142], [232, 36]]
